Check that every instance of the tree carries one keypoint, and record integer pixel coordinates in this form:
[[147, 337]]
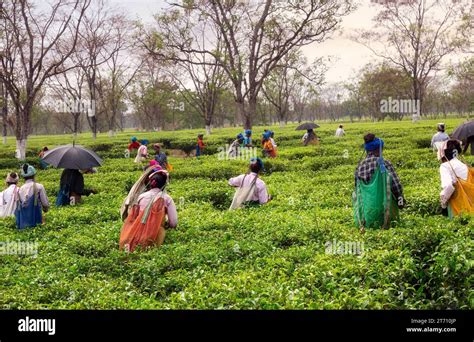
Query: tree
[[256, 36], [383, 82], [97, 44], [416, 35], [68, 89], [462, 92], [201, 78], [118, 71], [151, 93], [355, 100], [280, 85], [34, 50], [305, 99], [4, 98]]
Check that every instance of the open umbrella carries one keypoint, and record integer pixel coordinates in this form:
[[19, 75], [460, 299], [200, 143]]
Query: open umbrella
[[72, 157], [306, 126], [464, 131]]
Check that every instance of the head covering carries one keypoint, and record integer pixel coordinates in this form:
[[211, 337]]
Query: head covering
[[164, 172], [30, 171], [441, 149], [441, 127], [144, 142], [156, 172], [374, 144], [259, 162], [248, 132], [134, 139], [10, 179], [267, 135], [155, 165], [156, 146], [240, 136]]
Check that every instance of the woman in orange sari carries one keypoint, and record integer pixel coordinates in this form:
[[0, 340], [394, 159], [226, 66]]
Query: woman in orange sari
[[145, 223], [269, 149]]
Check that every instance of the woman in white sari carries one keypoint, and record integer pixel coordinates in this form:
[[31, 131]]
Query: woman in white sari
[[9, 197], [142, 152]]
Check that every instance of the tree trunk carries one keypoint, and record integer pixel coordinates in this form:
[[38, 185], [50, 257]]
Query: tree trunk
[[4, 113], [92, 120], [417, 95], [21, 149], [243, 114], [250, 114], [76, 124], [207, 121], [22, 129]]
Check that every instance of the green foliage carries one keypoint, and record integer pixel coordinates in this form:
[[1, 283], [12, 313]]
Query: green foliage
[[269, 257]]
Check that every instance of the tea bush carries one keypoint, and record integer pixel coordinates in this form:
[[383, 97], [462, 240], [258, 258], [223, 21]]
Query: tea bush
[[270, 257]]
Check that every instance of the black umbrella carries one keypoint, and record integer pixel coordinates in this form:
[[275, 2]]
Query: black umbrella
[[464, 131], [72, 157], [306, 126]]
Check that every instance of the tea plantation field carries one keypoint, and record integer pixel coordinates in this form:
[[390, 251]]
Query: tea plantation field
[[270, 257]]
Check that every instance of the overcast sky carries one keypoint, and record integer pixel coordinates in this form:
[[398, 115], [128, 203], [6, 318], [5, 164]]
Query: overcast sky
[[347, 56]]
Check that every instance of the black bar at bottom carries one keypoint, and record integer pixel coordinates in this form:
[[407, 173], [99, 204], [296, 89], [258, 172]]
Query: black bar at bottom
[[225, 325]]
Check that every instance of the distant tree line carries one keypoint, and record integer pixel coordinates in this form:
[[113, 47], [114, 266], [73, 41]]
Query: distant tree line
[[71, 66]]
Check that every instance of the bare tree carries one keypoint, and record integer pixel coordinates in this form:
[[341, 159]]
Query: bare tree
[[68, 89], [256, 36], [152, 90], [282, 84], [4, 97], [31, 55], [118, 71], [200, 76], [416, 35], [96, 47], [207, 85]]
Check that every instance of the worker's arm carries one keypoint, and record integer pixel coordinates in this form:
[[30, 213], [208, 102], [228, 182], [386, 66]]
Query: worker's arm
[[172, 213], [262, 193], [236, 181], [397, 188], [43, 198], [447, 186]]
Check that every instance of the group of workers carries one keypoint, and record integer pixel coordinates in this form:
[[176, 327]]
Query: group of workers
[[441, 136], [160, 158], [27, 202], [453, 172], [142, 150], [147, 206], [244, 140]]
